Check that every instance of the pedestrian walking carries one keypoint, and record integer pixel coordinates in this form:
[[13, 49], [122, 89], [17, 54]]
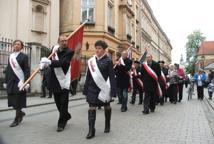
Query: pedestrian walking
[[59, 78], [17, 72], [200, 78], [151, 73], [100, 86], [123, 68]]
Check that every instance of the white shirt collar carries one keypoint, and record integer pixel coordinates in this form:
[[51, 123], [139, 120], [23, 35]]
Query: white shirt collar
[[98, 58], [16, 53]]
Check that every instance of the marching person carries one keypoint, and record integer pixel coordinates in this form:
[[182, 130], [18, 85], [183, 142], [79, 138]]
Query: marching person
[[150, 72], [123, 67], [137, 83], [17, 72], [44, 83], [100, 86], [163, 82], [59, 78]]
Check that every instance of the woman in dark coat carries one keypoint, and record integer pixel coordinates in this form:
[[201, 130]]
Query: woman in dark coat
[[92, 89], [17, 97]]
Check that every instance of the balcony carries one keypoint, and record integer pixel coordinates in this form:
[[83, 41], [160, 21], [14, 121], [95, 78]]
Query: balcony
[[126, 5]]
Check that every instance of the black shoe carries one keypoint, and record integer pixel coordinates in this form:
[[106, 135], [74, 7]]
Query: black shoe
[[145, 112], [50, 97], [91, 123], [152, 110], [119, 103], [14, 123], [60, 129], [124, 109], [20, 118], [131, 102], [42, 96], [139, 103], [179, 101]]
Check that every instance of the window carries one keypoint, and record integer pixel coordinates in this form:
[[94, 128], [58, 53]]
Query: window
[[127, 22], [88, 10], [110, 16]]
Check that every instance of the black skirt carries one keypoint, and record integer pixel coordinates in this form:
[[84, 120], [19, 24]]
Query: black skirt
[[17, 101]]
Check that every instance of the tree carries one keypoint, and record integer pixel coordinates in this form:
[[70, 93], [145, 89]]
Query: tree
[[192, 46]]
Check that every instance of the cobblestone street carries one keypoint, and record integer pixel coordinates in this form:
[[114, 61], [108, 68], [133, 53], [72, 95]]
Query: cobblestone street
[[183, 123]]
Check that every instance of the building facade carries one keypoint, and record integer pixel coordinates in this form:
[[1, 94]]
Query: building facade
[[35, 22], [120, 23]]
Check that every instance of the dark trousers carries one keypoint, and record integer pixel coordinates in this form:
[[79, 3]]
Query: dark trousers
[[61, 100], [149, 101], [44, 91], [180, 91], [124, 97], [172, 93], [161, 99], [200, 91], [135, 89]]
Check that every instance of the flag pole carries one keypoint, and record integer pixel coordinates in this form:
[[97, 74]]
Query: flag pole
[[38, 67]]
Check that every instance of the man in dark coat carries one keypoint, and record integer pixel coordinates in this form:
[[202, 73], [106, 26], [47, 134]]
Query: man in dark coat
[[150, 83], [14, 80], [59, 79], [163, 82], [137, 83], [123, 69], [45, 83]]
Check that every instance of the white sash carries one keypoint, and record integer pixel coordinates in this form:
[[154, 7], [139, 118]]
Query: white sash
[[63, 79], [16, 67], [104, 85]]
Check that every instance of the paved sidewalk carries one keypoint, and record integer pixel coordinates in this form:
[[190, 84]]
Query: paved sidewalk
[[37, 101]]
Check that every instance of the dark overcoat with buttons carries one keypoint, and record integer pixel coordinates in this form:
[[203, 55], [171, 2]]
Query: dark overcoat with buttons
[[91, 90], [16, 98]]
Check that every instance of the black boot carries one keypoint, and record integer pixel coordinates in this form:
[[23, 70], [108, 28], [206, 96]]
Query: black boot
[[15, 122], [91, 123], [107, 120]]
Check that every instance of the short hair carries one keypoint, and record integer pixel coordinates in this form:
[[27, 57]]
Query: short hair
[[177, 65], [101, 43], [22, 44], [161, 62], [137, 62]]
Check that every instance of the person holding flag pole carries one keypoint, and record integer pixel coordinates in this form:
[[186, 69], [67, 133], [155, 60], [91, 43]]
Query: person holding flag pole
[[151, 73]]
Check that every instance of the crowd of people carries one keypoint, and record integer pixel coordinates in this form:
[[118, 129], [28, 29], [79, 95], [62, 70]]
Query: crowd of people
[[155, 82]]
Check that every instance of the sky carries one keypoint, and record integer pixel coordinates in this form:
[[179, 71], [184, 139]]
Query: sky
[[179, 18]]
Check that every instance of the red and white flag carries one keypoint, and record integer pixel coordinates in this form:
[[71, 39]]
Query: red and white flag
[[75, 43]]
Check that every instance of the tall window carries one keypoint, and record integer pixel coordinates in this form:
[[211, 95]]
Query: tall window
[[127, 22], [88, 10], [38, 18], [110, 16]]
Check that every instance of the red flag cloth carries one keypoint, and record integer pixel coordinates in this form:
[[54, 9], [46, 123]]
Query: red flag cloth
[[75, 43]]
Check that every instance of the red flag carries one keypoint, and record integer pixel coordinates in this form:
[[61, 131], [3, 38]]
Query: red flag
[[75, 43]]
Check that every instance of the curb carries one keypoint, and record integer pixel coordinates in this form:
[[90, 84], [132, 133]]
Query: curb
[[41, 104], [209, 112]]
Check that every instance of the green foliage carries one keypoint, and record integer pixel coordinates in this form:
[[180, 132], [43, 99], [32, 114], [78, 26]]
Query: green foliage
[[192, 46]]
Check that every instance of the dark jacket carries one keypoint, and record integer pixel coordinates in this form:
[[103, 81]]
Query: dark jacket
[[91, 90], [16, 98], [11, 79], [135, 77], [64, 62], [150, 85], [123, 77]]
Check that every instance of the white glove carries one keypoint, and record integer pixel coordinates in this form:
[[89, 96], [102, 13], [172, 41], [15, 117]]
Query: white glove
[[41, 66], [20, 84], [27, 87], [45, 60], [4, 85]]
